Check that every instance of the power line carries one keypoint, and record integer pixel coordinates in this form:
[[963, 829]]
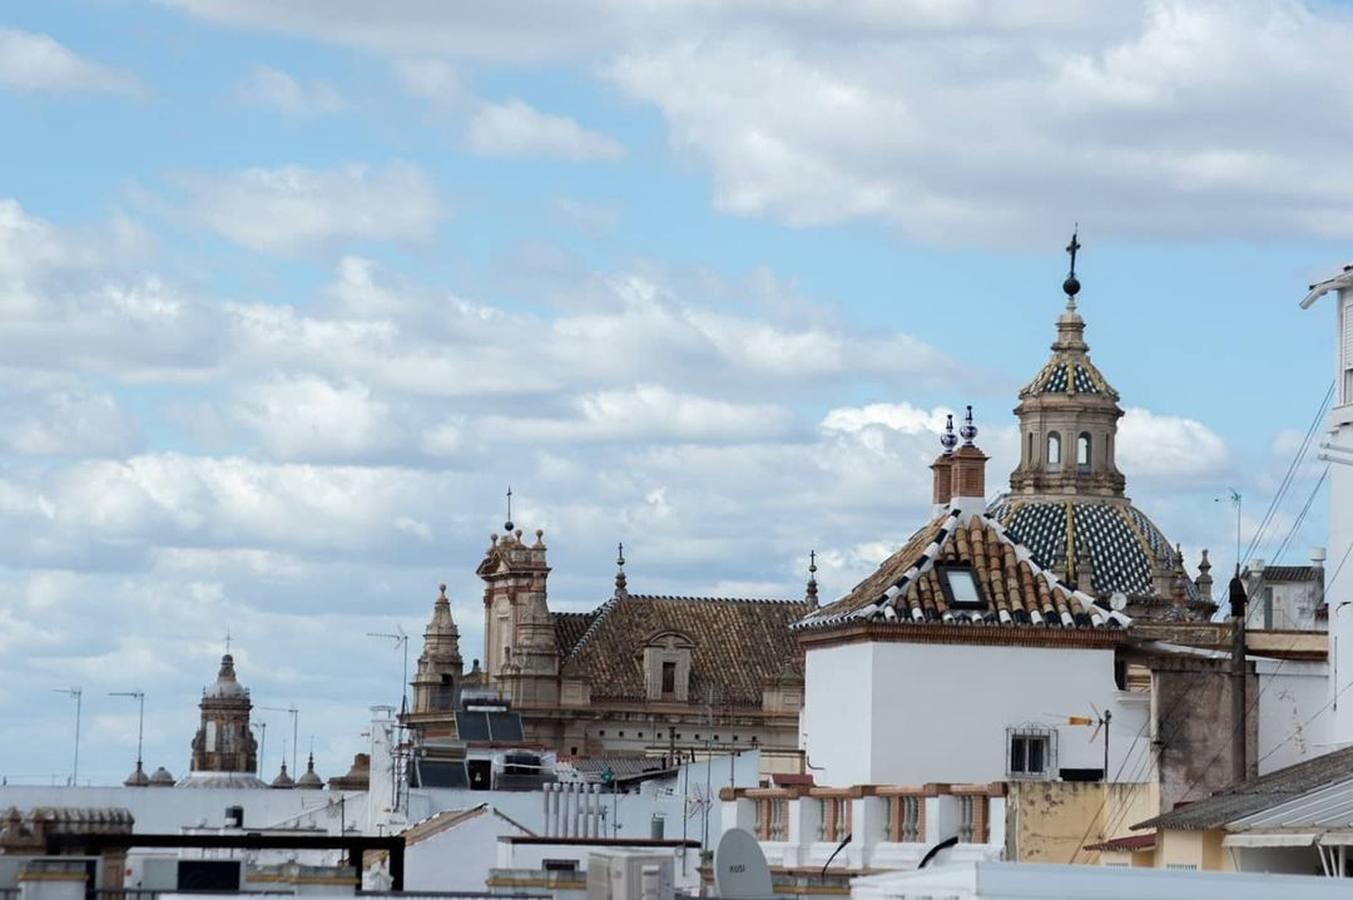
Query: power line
[[1290, 474], [1146, 760]]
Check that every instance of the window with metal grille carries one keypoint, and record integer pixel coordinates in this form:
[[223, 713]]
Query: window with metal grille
[[1030, 752]]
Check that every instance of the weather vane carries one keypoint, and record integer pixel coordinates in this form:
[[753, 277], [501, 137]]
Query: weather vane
[[507, 526]]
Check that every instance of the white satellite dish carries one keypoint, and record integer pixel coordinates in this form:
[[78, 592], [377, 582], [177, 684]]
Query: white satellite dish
[[740, 868], [1118, 601]]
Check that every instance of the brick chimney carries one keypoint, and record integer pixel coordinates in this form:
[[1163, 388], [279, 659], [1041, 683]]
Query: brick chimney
[[942, 468], [968, 466]]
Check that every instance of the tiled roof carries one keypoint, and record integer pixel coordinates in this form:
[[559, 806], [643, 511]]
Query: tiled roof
[[1258, 794], [1069, 373], [739, 646], [569, 628], [1016, 589], [451, 818], [1127, 844], [1125, 548], [1285, 574]]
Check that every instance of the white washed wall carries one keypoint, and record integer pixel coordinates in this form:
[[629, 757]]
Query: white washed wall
[[897, 713]]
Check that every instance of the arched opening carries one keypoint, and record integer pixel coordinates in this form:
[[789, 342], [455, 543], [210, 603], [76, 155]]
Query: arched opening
[[1054, 458], [1029, 456], [1083, 452]]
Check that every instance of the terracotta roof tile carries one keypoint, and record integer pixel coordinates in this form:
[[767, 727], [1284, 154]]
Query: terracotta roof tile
[[908, 586], [569, 628], [740, 646]]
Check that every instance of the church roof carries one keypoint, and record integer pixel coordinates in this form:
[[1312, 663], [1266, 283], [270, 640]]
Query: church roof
[[569, 628], [739, 646], [1123, 549], [1015, 589]]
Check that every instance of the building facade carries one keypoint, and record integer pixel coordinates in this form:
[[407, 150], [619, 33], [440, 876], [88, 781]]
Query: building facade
[[638, 675]]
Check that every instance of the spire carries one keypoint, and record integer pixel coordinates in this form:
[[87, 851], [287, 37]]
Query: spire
[[811, 593], [310, 780], [1072, 285], [507, 526], [1204, 580], [620, 581]]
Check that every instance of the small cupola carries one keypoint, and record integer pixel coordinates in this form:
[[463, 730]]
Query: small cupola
[[1068, 415]]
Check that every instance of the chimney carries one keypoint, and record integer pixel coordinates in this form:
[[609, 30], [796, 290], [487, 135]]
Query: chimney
[[1318, 557], [968, 467]]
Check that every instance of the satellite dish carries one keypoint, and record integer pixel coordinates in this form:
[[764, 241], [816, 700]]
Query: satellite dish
[[1118, 601], [740, 868]]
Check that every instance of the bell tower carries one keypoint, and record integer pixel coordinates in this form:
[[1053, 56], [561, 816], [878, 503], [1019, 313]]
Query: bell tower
[[521, 653], [223, 742], [436, 684], [1068, 416]]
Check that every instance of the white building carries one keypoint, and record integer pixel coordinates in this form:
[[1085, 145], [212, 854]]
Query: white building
[[1007, 881], [1340, 454]]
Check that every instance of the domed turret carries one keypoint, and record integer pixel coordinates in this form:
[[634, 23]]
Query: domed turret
[[309, 780], [1067, 500], [283, 780], [226, 685]]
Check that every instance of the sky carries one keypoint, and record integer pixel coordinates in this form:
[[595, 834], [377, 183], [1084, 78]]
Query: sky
[[291, 292]]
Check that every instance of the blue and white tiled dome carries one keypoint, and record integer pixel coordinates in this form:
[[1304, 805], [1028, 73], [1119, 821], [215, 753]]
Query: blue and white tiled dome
[[1124, 549]]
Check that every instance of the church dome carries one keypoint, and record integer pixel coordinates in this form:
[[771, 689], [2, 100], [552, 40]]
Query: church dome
[[161, 778], [283, 781], [310, 780], [1067, 502], [226, 687], [1103, 547]]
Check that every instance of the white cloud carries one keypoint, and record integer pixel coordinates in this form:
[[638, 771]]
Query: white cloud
[[647, 413], [1183, 118], [430, 78], [898, 416], [1169, 447], [304, 417], [515, 130], [272, 88], [293, 209], [36, 62], [69, 422], [962, 123]]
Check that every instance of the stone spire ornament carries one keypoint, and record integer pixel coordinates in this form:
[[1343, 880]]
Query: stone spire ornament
[[811, 593], [620, 581]]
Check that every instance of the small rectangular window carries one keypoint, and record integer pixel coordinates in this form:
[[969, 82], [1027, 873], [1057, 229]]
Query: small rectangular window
[[669, 678], [1029, 754], [960, 586]]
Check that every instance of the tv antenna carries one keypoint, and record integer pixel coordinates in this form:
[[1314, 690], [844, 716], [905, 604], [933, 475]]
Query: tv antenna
[[76, 693], [140, 720], [295, 718], [401, 643]]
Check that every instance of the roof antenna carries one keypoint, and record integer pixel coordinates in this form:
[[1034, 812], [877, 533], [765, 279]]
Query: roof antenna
[[507, 526], [1072, 286]]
